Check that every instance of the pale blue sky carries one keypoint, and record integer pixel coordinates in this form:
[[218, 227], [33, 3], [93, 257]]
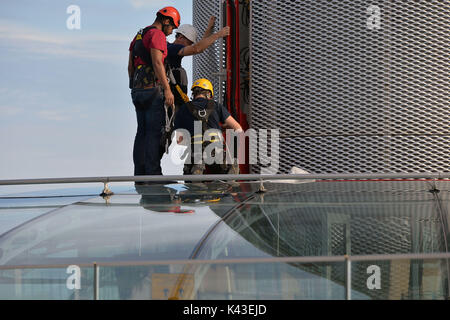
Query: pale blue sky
[[65, 107]]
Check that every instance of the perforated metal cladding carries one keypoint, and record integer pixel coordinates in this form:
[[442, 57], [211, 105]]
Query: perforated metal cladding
[[356, 218], [356, 154], [349, 98], [208, 64]]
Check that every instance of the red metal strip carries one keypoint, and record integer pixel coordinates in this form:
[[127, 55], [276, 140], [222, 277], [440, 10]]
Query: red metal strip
[[228, 58]]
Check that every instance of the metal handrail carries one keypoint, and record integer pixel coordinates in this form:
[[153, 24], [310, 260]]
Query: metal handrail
[[228, 177], [295, 259]]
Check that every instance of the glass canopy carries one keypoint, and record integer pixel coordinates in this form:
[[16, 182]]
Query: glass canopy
[[314, 240]]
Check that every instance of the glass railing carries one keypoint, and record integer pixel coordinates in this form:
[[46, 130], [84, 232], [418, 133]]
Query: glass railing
[[396, 277]]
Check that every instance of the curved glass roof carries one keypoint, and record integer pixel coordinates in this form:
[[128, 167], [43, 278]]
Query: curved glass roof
[[219, 221]]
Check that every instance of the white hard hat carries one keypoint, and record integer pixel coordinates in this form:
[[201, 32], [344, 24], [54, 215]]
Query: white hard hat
[[188, 31]]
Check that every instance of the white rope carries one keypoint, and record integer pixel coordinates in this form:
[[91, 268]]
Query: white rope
[[169, 120], [168, 126]]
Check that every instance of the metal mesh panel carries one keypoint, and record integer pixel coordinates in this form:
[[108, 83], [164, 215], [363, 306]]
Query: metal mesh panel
[[209, 63], [362, 154], [349, 98]]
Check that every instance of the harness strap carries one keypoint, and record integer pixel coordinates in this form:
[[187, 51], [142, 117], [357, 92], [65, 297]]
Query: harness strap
[[144, 75], [203, 116], [166, 137], [181, 93], [139, 50]]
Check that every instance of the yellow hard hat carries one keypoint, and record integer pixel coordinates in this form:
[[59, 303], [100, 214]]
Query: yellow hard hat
[[204, 84]]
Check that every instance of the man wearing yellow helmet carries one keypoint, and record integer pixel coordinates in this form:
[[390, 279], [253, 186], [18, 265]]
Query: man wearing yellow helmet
[[203, 109]]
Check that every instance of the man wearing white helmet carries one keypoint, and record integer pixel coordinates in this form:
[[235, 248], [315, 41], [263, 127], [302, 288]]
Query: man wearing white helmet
[[186, 44]]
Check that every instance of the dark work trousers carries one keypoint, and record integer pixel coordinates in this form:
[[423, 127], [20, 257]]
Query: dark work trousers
[[150, 114], [193, 168]]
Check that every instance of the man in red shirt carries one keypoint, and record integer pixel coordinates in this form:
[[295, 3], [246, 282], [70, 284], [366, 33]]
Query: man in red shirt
[[150, 89]]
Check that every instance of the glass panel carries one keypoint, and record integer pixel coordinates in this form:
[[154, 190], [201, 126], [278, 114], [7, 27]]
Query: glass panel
[[402, 279], [19, 208], [11, 218], [254, 281], [71, 283], [338, 218], [370, 280], [232, 220], [94, 230]]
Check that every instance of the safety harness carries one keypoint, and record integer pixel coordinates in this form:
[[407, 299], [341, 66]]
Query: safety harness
[[203, 116], [144, 75], [178, 85], [167, 129], [214, 136]]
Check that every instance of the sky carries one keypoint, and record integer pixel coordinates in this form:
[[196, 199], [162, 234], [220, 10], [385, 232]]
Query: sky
[[65, 105]]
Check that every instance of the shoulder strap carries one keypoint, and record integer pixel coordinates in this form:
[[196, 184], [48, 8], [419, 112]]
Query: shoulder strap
[[202, 114], [141, 33], [210, 107], [139, 49], [192, 109]]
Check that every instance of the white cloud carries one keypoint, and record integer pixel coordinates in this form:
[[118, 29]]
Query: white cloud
[[10, 111], [15, 101], [146, 3], [14, 32], [53, 115], [60, 111], [90, 46]]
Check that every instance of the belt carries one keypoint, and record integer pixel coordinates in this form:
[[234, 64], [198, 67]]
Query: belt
[[144, 77]]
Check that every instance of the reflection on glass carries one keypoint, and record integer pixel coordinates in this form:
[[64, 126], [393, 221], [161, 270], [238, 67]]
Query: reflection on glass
[[212, 221], [402, 279], [47, 284], [255, 281]]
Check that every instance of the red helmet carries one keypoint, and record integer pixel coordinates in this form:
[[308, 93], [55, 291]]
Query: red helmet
[[173, 13]]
